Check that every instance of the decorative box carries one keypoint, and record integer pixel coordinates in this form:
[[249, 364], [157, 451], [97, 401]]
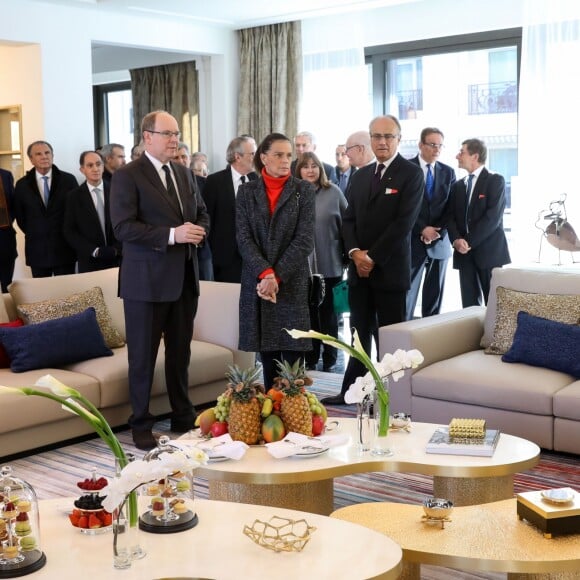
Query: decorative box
[[554, 511]]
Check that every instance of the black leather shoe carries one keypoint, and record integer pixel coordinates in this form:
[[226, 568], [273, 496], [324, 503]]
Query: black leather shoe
[[182, 426], [335, 400], [144, 440], [328, 368]]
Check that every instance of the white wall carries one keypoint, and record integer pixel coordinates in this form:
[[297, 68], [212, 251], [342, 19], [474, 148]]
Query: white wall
[[54, 81]]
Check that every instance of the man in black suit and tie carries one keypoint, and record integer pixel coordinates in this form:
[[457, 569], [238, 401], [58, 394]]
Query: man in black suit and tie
[[475, 223], [343, 170], [430, 247], [8, 251], [384, 204], [160, 218], [219, 195], [39, 205], [87, 220]]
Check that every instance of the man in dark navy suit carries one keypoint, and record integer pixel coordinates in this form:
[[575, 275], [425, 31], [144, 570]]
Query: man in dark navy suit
[[430, 247], [475, 223], [160, 218], [376, 227], [39, 206], [219, 195], [8, 251], [87, 220]]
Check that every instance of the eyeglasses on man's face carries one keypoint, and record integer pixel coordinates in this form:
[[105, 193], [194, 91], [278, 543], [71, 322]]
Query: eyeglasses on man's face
[[166, 134], [347, 149], [385, 136], [434, 145]]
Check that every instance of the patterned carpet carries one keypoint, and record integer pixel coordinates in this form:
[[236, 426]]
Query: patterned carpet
[[54, 473]]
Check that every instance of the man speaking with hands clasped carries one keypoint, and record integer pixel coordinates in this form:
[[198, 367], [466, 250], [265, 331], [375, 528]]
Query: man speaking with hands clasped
[[160, 218]]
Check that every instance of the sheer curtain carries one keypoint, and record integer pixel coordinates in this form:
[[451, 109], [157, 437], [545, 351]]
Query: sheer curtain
[[549, 118], [173, 88], [270, 79], [337, 98]]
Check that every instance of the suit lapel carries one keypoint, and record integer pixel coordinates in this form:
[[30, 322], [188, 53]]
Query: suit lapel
[[151, 174], [386, 179]]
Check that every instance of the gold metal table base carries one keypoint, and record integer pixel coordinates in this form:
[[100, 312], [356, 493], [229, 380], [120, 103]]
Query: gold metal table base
[[316, 497], [554, 576], [464, 491]]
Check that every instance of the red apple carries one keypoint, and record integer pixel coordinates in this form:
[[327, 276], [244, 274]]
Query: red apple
[[219, 428], [317, 424]]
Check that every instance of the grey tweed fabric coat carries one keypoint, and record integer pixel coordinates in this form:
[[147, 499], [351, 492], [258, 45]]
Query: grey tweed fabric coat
[[283, 242]]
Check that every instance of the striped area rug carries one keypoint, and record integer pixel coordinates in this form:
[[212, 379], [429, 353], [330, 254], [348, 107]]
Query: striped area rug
[[54, 473]]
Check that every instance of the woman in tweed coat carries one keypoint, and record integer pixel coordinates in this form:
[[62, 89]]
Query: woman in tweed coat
[[275, 235]]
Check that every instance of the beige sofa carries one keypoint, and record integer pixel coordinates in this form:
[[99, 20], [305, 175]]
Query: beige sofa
[[31, 422], [458, 379]]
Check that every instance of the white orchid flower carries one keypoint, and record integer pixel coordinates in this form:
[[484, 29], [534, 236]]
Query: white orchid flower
[[116, 494], [57, 387]]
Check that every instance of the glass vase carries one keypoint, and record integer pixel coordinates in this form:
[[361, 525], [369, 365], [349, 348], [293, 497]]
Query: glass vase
[[130, 513], [365, 424], [122, 540], [381, 417]]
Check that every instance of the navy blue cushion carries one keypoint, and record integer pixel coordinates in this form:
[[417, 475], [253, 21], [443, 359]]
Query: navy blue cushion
[[546, 343], [55, 342]]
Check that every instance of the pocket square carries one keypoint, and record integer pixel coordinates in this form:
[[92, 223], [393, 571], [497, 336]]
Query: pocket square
[[390, 191], [481, 196]]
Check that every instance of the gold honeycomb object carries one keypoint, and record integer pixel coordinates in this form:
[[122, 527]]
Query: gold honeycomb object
[[467, 428], [280, 534]]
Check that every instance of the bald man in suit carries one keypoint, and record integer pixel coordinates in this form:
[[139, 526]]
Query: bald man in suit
[[160, 218]]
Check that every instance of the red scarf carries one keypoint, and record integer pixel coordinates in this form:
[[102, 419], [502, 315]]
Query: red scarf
[[274, 187]]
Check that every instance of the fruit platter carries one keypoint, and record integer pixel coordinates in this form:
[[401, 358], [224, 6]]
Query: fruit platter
[[250, 414], [88, 513]]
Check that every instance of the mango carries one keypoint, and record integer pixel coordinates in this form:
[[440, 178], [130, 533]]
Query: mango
[[206, 419], [273, 429]]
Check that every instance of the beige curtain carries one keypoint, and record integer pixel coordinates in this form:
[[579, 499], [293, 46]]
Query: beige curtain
[[270, 79], [173, 88]]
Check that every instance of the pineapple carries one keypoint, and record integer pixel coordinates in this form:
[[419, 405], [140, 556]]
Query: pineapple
[[295, 409], [244, 417]]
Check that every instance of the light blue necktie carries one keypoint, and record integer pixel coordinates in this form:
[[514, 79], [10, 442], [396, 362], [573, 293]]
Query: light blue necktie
[[343, 182], [46, 189], [101, 209], [429, 183]]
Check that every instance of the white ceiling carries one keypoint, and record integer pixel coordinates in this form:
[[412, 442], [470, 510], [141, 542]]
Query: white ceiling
[[233, 13]]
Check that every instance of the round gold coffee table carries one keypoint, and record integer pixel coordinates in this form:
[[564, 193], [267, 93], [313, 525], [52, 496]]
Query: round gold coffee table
[[483, 538], [307, 484]]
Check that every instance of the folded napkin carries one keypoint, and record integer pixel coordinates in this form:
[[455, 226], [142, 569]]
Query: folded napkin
[[222, 446], [295, 443]]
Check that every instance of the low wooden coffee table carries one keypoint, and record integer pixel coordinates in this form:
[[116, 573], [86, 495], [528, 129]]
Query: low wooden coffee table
[[484, 538], [307, 483]]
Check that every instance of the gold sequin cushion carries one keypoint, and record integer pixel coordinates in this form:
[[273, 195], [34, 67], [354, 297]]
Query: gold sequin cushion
[[74, 304], [559, 307]]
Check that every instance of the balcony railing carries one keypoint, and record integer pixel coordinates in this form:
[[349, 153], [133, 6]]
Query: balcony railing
[[409, 103], [493, 98]]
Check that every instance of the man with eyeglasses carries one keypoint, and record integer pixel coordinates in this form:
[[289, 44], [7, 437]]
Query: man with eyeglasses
[[475, 224], [219, 195], [430, 247], [159, 216], [384, 204], [343, 170]]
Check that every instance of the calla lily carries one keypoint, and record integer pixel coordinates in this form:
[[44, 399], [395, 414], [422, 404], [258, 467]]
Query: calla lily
[[391, 366], [12, 391], [57, 387]]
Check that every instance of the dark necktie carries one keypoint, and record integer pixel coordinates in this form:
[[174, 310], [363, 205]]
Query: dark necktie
[[170, 186], [376, 185], [429, 183], [343, 182], [467, 198], [243, 179], [46, 189]]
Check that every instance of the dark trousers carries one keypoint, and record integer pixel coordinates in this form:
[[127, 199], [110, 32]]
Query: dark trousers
[[474, 283], [370, 308], [324, 319], [6, 273], [433, 286], [145, 323], [54, 271], [269, 366]]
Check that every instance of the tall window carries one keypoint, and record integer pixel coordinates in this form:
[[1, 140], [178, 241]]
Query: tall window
[[467, 86], [113, 107]]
